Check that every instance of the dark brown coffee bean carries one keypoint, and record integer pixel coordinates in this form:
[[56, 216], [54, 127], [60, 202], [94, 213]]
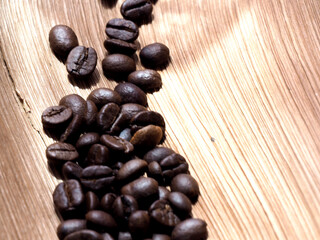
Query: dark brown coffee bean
[[124, 236], [107, 236], [130, 93], [173, 165], [97, 155], [91, 116], [118, 66], [187, 185], [59, 153], [155, 171], [190, 229], [68, 199], [69, 226], [84, 235], [62, 40], [180, 204], [122, 207], [73, 130], [155, 55], [71, 170], [107, 115], [81, 61], [160, 237], [103, 96], [92, 201], [122, 29], [116, 144], [76, 103], [136, 10], [56, 116], [120, 46], [143, 189], [139, 224], [126, 134], [163, 193], [101, 221], [157, 154], [147, 137], [131, 170], [148, 80], [86, 141], [107, 201], [97, 178]]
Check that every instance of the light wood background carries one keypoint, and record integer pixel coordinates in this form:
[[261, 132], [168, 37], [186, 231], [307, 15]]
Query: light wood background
[[240, 100]]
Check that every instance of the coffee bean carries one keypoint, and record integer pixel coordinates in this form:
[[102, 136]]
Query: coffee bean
[[155, 55], [56, 116], [107, 201], [71, 170], [101, 221], [118, 66], [130, 93], [97, 155], [107, 115], [103, 96], [160, 237], [86, 141], [163, 193], [92, 201], [126, 134], [107, 236], [84, 235], [139, 223], [136, 10], [81, 61], [76, 103], [91, 116], [120, 46], [155, 171], [190, 229], [62, 40], [147, 137], [143, 189], [116, 144], [131, 170], [187, 185], [122, 207], [59, 153], [124, 236], [97, 178], [148, 80], [145, 118], [180, 204], [69, 226], [73, 130], [68, 199], [157, 154], [122, 29]]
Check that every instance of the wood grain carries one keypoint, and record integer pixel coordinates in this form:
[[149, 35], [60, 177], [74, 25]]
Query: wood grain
[[240, 99]]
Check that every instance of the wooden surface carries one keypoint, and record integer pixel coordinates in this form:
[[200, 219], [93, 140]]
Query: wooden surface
[[240, 100]]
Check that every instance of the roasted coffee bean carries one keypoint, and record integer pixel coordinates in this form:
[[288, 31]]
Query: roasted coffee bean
[[107, 236], [107, 115], [76, 103], [160, 237], [103, 96], [107, 201], [126, 134], [118, 66], [92, 201], [71, 170], [91, 116], [62, 40], [68, 199], [84, 235], [127, 112], [116, 144], [180, 204], [72, 132], [139, 224], [97, 155], [136, 10], [130, 93], [148, 80], [145, 118], [131, 170], [101, 221], [173, 165], [122, 208], [59, 153], [124, 236], [81, 61], [97, 178], [187, 185], [56, 116], [155, 55], [155, 171], [85, 142], [163, 216], [69, 226], [157, 154], [120, 46], [190, 229], [147, 137], [163, 193], [122, 29], [143, 189]]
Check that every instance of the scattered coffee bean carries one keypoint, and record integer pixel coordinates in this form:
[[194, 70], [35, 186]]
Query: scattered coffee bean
[[131, 170], [148, 80], [139, 224], [122, 29], [155, 55], [101, 221], [190, 229], [86, 141], [157, 154], [97, 178], [92, 201], [62, 40], [81, 61], [69, 226], [117, 144], [71, 170], [180, 204], [103, 96], [136, 10], [107, 115], [73, 130], [122, 208], [187, 185], [145, 118], [118, 66], [76, 103], [84, 235], [107, 202], [155, 171], [56, 116], [147, 137], [130, 93], [97, 155], [120, 46], [59, 153]]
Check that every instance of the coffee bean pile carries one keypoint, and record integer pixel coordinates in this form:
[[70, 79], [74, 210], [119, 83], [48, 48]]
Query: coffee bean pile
[[118, 183]]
